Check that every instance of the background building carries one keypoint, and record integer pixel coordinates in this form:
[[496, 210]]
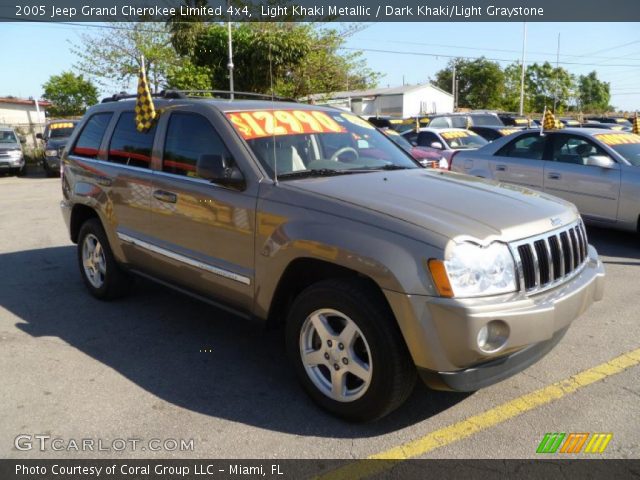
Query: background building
[[404, 101], [24, 115]]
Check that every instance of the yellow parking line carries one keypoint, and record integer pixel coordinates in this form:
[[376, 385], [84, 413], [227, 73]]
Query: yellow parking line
[[501, 413]]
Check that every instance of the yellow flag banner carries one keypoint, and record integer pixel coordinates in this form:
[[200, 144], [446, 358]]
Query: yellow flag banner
[[145, 110], [549, 121], [636, 124]]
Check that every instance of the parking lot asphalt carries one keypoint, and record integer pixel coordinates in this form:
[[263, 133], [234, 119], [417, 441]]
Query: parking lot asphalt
[[159, 365]]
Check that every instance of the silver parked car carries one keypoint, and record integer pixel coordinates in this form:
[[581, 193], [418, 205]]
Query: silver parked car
[[11, 155], [595, 169]]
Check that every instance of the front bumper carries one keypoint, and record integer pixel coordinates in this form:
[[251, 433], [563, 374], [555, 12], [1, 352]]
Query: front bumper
[[51, 163], [442, 333], [11, 163]]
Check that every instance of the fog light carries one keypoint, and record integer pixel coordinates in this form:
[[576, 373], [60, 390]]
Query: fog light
[[493, 336]]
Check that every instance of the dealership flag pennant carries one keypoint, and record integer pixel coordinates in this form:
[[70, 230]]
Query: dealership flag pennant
[[636, 124], [549, 121], [145, 110]]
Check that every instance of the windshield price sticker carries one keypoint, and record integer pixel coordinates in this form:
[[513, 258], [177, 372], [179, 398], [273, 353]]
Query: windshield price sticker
[[618, 138], [521, 121], [266, 123], [452, 135], [53, 126], [508, 131], [357, 121]]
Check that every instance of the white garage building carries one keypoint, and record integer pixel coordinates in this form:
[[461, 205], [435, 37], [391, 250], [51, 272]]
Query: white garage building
[[405, 101]]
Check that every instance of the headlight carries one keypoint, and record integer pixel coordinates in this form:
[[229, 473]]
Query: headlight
[[51, 153], [15, 153], [473, 271]]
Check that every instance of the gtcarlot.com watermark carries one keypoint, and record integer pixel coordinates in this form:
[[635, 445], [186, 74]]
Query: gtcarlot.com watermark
[[44, 443]]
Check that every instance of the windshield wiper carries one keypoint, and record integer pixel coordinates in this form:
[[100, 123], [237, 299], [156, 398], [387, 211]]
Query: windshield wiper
[[320, 172]]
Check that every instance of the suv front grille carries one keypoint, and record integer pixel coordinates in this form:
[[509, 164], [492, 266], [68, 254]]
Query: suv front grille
[[550, 259]]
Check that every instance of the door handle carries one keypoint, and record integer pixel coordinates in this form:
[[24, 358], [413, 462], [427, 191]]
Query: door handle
[[554, 176], [104, 181], [501, 168], [164, 196]]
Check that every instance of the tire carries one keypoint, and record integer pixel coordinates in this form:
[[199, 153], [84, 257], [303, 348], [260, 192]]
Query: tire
[[375, 368], [101, 274]]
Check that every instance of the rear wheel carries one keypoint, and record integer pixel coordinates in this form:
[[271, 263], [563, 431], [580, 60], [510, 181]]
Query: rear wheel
[[101, 274], [348, 351]]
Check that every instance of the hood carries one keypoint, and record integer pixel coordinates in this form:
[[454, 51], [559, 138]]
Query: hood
[[10, 146], [57, 142], [454, 205]]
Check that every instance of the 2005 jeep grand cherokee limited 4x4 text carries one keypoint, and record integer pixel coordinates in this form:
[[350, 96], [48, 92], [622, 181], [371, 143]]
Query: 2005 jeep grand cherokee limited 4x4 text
[[305, 215]]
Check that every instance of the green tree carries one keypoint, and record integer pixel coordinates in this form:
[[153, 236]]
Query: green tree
[[593, 94], [546, 85], [112, 57], [480, 82], [295, 59], [69, 94]]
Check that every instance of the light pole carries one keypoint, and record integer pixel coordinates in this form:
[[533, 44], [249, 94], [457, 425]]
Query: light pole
[[230, 42], [524, 48]]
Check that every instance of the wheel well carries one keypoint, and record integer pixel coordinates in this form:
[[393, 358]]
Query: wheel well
[[79, 215], [302, 273]]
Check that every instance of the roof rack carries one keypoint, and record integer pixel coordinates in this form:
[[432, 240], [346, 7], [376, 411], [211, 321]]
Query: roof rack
[[175, 94]]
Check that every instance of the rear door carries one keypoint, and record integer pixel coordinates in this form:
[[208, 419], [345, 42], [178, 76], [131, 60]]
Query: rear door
[[203, 232], [112, 161], [594, 190], [521, 161]]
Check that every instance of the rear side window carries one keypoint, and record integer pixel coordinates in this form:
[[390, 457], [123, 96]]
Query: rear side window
[[528, 146], [425, 139], [189, 137], [129, 146], [88, 143]]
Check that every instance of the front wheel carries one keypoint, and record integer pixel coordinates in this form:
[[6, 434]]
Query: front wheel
[[348, 351]]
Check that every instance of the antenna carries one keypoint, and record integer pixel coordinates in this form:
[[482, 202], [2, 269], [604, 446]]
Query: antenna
[[273, 133]]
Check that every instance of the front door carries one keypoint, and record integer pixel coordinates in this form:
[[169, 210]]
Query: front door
[[594, 190], [204, 232]]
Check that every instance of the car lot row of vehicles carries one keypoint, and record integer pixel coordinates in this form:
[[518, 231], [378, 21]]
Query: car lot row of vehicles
[[379, 270]]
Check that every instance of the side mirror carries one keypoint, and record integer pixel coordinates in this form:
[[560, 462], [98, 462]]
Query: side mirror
[[437, 145], [601, 161], [39, 136], [220, 170], [22, 139]]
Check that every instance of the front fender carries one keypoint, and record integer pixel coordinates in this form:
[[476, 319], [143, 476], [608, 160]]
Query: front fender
[[394, 262]]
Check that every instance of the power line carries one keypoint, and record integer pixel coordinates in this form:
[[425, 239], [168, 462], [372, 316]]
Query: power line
[[495, 49], [424, 54]]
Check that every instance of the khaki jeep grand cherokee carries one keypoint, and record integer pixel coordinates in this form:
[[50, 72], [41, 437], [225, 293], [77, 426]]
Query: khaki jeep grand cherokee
[[309, 216]]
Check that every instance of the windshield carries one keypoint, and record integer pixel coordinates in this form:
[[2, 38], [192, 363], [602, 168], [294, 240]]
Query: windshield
[[626, 144], [61, 130], [7, 136], [463, 140], [398, 139], [294, 141]]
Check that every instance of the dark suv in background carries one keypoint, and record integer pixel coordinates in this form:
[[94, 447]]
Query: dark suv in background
[[55, 137]]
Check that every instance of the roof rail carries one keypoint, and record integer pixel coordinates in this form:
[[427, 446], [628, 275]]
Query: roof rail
[[198, 94], [124, 95], [228, 93]]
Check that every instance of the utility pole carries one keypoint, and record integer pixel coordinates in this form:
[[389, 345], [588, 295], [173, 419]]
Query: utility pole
[[230, 64], [453, 85], [555, 93], [524, 48]]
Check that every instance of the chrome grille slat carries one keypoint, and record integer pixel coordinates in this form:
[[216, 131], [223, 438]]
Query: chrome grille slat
[[550, 259], [547, 245]]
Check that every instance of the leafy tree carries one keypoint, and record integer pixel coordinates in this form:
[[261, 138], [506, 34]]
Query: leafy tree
[[187, 76], [593, 94], [294, 59], [70, 94], [480, 82], [112, 57], [544, 84]]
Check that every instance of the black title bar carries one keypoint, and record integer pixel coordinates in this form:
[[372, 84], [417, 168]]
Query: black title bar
[[322, 10]]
